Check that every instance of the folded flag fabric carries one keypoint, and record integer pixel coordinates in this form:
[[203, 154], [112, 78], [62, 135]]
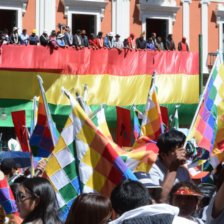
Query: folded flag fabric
[[165, 117], [142, 156], [209, 118], [19, 121], [83, 161], [7, 199], [123, 127], [152, 124], [40, 141]]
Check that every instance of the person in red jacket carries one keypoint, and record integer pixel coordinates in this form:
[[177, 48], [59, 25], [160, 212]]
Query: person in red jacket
[[183, 46], [92, 42], [99, 40], [131, 41]]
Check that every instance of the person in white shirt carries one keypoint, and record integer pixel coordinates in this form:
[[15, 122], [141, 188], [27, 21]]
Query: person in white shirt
[[117, 43]]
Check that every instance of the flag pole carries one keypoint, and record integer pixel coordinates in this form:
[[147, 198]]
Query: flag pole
[[202, 97], [46, 108], [34, 110], [85, 94]]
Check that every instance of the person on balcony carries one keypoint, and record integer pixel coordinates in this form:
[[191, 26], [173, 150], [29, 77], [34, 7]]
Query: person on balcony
[[24, 37], [160, 45], [60, 40], [154, 40], [52, 40], [77, 40], [132, 41], [84, 39], [140, 42], [150, 44], [183, 46], [99, 40], [109, 41], [170, 46], [14, 37], [118, 43], [34, 39], [68, 36], [92, 42], [44, 39]]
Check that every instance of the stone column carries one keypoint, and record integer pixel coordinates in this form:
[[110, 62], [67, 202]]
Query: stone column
[[204, 31], [186, 19], [121, 18]]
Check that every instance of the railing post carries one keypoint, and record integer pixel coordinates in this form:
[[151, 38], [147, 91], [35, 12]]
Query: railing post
[[200, 64]]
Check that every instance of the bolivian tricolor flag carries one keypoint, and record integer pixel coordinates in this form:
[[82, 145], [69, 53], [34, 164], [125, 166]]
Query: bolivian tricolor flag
[[113, 77]]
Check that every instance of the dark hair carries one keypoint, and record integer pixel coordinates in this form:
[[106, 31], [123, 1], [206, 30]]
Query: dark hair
[[129, 195], [188, 184], [24, 30], [100, 33], [53, 33], [46, 210], [90, 208], [169, 140], [7, 165]]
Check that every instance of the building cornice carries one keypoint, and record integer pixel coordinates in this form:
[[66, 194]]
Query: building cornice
[[14, 3], [205, 2], [146, 9], [187, 1], [85, 4]]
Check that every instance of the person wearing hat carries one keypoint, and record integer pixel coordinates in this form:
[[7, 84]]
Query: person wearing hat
[[117, 43], [24, 37], [109, 41], [154, 189], [14, 37], [44, 39], [34, 39], [186, 196], [60, 40], [132, 41], [68, 36], [183, 46]]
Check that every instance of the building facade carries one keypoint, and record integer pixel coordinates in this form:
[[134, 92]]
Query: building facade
[[187, 18]]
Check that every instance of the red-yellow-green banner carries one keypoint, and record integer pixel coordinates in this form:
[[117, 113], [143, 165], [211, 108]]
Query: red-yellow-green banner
[[113, 77]]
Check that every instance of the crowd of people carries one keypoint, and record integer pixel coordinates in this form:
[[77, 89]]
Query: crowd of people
[[165, 195], [64, 38]]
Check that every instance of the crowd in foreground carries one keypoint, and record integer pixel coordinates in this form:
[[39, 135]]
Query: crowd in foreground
[[64, 38], [165, 195]]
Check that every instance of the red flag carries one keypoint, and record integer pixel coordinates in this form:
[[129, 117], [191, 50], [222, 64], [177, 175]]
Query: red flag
[[165, 117], [123, 127], [19, 121]]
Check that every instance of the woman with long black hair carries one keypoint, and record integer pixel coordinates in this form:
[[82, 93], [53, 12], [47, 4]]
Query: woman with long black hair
[[36, 202]]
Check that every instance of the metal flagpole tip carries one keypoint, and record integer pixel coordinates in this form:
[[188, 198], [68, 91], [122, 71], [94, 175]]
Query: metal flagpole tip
[[40, 79]]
